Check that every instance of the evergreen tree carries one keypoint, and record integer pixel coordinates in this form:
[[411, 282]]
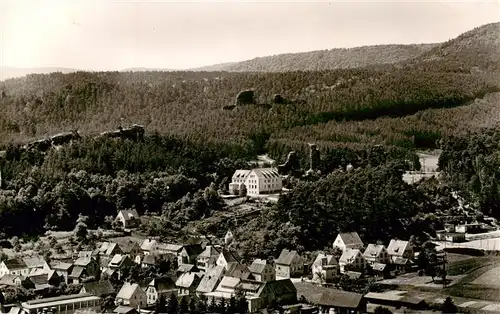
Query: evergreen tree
[[172, 304], [449, 306], [161, 305]]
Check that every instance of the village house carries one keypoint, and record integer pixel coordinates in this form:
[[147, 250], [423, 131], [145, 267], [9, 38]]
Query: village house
[[451, 237], [187, 283], [186, 268], [109, 249], [169, 248], [84, 267], [128, 218], [63, 270], [331, 300], [9, 280], [238, 270], [376, 253], [257, 181], [132, 295], [325, 267], [207, 258], [210, 280], [36, 264], [226, 257], [160, 286], [149, 261], [118, 263], [352, 259], [469, 228], [399, 249], [262, 270], [189, 253], [15, 266], [289, 264], [101, 288], [349, 240], [258, 294], [45, 281], [148, 246]]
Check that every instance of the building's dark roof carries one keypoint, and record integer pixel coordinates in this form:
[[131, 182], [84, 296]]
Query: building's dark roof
[[286, 257], [230, 256], [379, 266], [193, 249], [99, 288], [186, 268], [237, 270], [61, 266], [125, 310], [149, 259], [77, 272], [211, 279], [15, 263], [279, 287], [351, 238], [258, 266], [34, 261], [163, 284], [342, 299]]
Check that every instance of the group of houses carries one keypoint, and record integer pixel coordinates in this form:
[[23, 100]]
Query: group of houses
[[214, 272]]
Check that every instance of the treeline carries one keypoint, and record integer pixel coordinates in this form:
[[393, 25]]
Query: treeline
[[472, 165], [190, 104], [373, 201], [166, 175]]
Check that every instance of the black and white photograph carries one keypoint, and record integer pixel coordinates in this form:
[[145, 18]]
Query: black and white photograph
[[249, 156]]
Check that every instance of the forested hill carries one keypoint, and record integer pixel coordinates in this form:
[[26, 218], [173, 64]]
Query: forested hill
[[340, 58], [481, 44], [407, 106]]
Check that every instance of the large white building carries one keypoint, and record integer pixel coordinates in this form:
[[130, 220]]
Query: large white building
[[257, 181]]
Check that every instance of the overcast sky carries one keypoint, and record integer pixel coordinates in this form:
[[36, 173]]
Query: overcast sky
[[103, 35]]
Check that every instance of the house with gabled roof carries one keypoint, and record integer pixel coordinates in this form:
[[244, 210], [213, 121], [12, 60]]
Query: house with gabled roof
[[132, 295], [149, 246], [128, 218], [207, 258], [62, 269], [238, 270], [101, 288], [210, 280], [325, 267], [160, 286], [119, 262], [376, 253], [186, 268], [36, 262], [149, 261], [353, 260], [399, 249], [189, 253], [84, 267], [262, 270], [289, 264], [348, 240], [257, 181], [109, 249], [45, 281], [14, 266], [187, 283], [9, 280], [169, 248], [226, 257]]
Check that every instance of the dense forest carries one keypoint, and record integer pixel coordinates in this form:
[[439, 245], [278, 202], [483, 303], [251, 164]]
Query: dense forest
[[472, 165], [373, 118], [335, 107], [329, 59]]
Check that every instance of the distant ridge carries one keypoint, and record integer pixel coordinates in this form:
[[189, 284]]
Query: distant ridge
[[14, 72], [338, 58], [139, 69]]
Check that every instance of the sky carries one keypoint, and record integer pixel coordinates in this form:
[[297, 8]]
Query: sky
[[114, 35]]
